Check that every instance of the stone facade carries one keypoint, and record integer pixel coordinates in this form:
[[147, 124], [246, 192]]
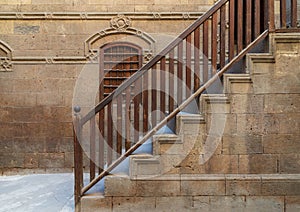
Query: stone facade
[[43, 49], [240, 153]]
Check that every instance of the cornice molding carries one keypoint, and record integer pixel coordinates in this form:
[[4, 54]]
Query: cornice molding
[[99, 15]]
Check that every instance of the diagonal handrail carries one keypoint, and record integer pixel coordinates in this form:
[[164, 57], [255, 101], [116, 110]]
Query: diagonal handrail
[[176, 111], [248, 21], [153, 61]]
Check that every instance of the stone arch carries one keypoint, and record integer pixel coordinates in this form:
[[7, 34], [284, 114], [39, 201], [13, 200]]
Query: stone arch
[[110, 35], [5, 56]]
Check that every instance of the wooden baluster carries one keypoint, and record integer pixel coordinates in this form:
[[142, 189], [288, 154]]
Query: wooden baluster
[[119, 123], [188, 72], [205, 51], [145, 101], [270, 10], [214, 44], [109, 129], [283, 13], [78, 156], [257, 18], [197, 59], [240, 28], [136, 110], [154, 95], [179, 73], [162, 87], [222, 35], [101, 126], [101, 140], [231, 45], [127, 118], [171, 80], [92, 148], [248, 21], [294, 13]]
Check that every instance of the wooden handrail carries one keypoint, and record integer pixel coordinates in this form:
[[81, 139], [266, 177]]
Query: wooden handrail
[[152, 62], [217, 55], [175, 112]]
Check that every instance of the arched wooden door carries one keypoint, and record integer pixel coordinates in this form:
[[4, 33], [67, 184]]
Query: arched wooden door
[[118, 61]]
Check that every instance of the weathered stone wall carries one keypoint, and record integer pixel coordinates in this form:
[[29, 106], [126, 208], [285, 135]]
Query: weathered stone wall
[[255, 161], [44, 45], [260, 134]]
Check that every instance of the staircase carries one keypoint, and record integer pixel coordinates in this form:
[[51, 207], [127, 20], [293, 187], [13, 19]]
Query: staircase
[[198, 150]]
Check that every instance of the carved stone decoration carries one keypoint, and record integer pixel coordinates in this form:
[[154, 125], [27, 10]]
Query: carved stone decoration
[[148, 55], [5, 64], [120, 22], [93, 56]]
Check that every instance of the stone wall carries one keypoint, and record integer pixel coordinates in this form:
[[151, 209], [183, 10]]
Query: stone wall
[[254, 165], [43, 49]]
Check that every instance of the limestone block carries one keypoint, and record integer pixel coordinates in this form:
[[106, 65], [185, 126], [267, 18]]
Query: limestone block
[[132, 204], [237, 144], [219, 203], [221, 124], [241, 88], [247, 103], [282, 103], [258, 164], [281, 143], [12, 160], [290, 163], [214, 103], [250, 124], [193, 185], [264, 203], [173, 203], [69, 159], [277, 187], [13, 99], [51, 160], [271, 123], [166, 144], [31, 160], [7, 145], [222, 164], [289, 123], [119, 185], [91, 203], [49, 98], [243, 187], [144, 165], [292, 203], [6, 27], [158, 188], [235, 84], [189, 124], [170, 164]]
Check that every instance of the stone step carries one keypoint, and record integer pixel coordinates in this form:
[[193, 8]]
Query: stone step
[[199, 192]]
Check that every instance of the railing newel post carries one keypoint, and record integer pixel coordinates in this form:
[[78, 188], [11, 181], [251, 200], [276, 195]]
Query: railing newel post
[[78, 157]]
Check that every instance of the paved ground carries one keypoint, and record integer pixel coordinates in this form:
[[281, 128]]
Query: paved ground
[[37, 193]]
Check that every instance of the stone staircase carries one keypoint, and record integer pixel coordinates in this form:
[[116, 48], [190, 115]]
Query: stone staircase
[[241, 153]]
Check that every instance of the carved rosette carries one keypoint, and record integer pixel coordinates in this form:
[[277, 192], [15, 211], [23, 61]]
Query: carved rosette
[[5, 64], [120, 22]]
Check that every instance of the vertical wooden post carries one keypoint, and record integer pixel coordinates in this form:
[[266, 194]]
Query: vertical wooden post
[[232, 29], [294, 13], [78, 162], [271, 15], [197, 59], [205, 51], [92, 148]]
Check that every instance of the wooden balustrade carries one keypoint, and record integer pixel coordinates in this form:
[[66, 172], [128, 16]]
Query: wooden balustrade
[[137, 108]]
